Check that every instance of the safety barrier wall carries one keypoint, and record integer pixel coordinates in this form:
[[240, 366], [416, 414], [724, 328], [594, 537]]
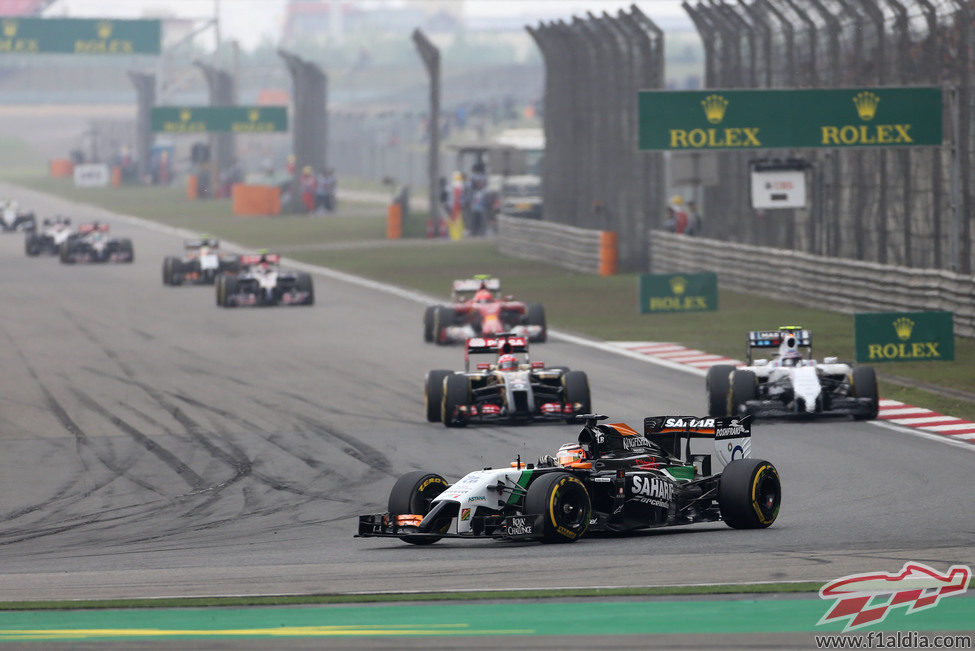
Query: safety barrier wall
[[579, 249], [819, 281]]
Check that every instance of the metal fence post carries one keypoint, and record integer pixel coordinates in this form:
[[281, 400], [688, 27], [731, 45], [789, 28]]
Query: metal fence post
[[431, 59]]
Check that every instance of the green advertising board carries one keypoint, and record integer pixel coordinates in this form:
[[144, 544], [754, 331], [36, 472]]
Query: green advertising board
[[904, 337], [691, 292], [209, 119], [79, 36], [785, 119]]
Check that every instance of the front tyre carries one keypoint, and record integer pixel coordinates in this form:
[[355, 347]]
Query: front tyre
[[412, 494], [456, 393], [749, 494], [428, 315], [433, 394], [863, 381], [303, 283], [716, 386], [563, 501]]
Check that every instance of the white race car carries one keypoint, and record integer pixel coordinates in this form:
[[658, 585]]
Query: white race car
[[49, 238], [790, 385], [12, 219], [264, 283]]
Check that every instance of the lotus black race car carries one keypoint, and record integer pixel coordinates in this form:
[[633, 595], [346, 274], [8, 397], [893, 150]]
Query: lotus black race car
[[92, 244], [510, 388], [49, 238], [262, 282], [479, 310], [12, 219], [612, 480], [201, 263], [790, 385]]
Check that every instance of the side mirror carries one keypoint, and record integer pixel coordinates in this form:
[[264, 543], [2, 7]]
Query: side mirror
[[483, 366], [537, 365]]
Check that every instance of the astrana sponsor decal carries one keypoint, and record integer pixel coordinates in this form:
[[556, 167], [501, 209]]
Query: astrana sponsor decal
[[866, 599]]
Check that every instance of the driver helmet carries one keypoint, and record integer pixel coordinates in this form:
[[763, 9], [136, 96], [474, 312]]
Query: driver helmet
[[791, 358], [483, 296], [570, 453], [507, 363]]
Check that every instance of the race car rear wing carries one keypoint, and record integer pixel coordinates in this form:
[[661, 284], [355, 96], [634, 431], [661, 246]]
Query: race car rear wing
[[91, 227], [206, 241], [257, 258], [731, 435], [471, 285], [501, 344], [772, 339]]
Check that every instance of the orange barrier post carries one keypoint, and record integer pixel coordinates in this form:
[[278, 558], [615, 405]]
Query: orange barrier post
[[116, 176], [61, 168], [394, 221], [608, 253], [256, 199], [192, 186]]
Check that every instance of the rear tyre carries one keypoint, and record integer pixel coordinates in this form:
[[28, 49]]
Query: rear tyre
[[226, 290], [864, 383], [716, 387], [303, 283], [433, 394], [31, 245], [576, 385], [64, 254], [535, 315], [456, 392], [412, 494], [125, 247], [744, 387], [563, 502], [749, 494], [428, 315]]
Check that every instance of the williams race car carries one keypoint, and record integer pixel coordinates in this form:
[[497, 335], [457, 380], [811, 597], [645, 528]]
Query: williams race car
[[201, 263], [478, 309], [790, 385], [510, 388], [92, 244], [12, 219], [263, 282], [49, 238], [612, 480]]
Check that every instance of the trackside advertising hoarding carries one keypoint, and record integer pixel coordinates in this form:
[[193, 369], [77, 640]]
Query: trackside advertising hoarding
[[786, 119], [226, 119], [693, 292], [904, 337], [79, 36]]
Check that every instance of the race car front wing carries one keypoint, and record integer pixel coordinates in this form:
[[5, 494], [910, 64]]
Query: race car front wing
[[512, 527]]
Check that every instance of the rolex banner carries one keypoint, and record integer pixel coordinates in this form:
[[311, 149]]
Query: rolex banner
[[904, 337], [789, 118], [678, 292]]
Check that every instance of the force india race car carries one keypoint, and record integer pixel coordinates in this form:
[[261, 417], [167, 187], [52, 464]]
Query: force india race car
[[478, 309], [12, 219], [262, 282], [201, 263], [49, 238], [92, 244], [790, 385], [613, 480], [511, 388]]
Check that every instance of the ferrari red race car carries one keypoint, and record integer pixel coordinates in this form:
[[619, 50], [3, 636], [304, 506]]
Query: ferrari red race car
[[479, 309]]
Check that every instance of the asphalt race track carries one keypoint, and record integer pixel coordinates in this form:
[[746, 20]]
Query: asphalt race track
[[154, 444]]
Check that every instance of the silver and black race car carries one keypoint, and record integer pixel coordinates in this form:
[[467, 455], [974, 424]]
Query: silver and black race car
[[509, 388], [790, 385], [13, 219], [201, 263], [49, 237], [612, 480], [262, 282], [92, 244]]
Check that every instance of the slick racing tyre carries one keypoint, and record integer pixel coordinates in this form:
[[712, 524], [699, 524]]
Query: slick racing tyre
[[535, 315], [65, 253], [412, 494], [563, 502], [125, 247], [428, 315], [303, 284], [716, 386], [226, 287], [433, 394], [442, 319], [749, 494], [456, 392], [576, 385], [744, 387], [31, 246], [170, 271], [863, 380]]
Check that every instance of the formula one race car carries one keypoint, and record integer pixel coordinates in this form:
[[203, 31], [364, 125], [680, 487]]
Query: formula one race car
[[49, 238], [478, 309], [612, 480], [92, 244], [510, 388], [262, 282], [790, 385], [201, 263], [12, 219]]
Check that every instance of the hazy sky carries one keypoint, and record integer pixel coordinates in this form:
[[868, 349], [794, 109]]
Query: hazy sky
[[250, 21]]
